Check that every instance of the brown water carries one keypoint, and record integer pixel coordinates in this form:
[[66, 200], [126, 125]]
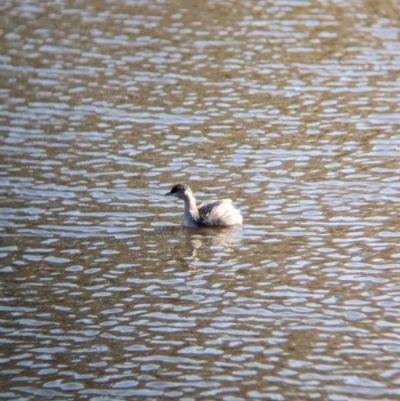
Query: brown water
[[291, 108]]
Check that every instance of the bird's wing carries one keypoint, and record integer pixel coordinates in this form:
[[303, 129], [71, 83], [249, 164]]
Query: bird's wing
[[212, 213], [208, 207]]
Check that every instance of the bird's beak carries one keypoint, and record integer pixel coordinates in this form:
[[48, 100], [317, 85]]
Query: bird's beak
[[168, 194]]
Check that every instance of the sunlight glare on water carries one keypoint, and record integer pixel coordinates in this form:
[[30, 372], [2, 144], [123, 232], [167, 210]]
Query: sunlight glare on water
[[290, 108]]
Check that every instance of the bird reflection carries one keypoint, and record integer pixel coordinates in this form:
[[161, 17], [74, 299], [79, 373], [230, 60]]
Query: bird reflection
[[223, 239]]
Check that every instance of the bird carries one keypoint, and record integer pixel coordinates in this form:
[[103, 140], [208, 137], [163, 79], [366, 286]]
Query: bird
[[210, 214]]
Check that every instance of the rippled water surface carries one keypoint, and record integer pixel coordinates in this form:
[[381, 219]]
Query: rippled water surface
[[291, 108]]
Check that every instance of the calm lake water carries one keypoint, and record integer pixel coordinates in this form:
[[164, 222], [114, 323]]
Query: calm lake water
[[291, 108]]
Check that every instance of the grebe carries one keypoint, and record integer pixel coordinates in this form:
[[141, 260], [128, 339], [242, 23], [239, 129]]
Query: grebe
[[210, 214]]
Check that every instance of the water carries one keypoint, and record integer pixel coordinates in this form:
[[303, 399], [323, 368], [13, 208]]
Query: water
[[288, 107]]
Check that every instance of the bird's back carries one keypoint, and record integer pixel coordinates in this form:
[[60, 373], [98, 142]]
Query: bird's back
[[219, 213]]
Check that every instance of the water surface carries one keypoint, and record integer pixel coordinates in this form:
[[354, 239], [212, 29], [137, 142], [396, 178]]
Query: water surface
[[288, 107]]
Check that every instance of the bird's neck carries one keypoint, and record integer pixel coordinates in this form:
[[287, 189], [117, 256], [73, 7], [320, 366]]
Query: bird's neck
[[191, 212]]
